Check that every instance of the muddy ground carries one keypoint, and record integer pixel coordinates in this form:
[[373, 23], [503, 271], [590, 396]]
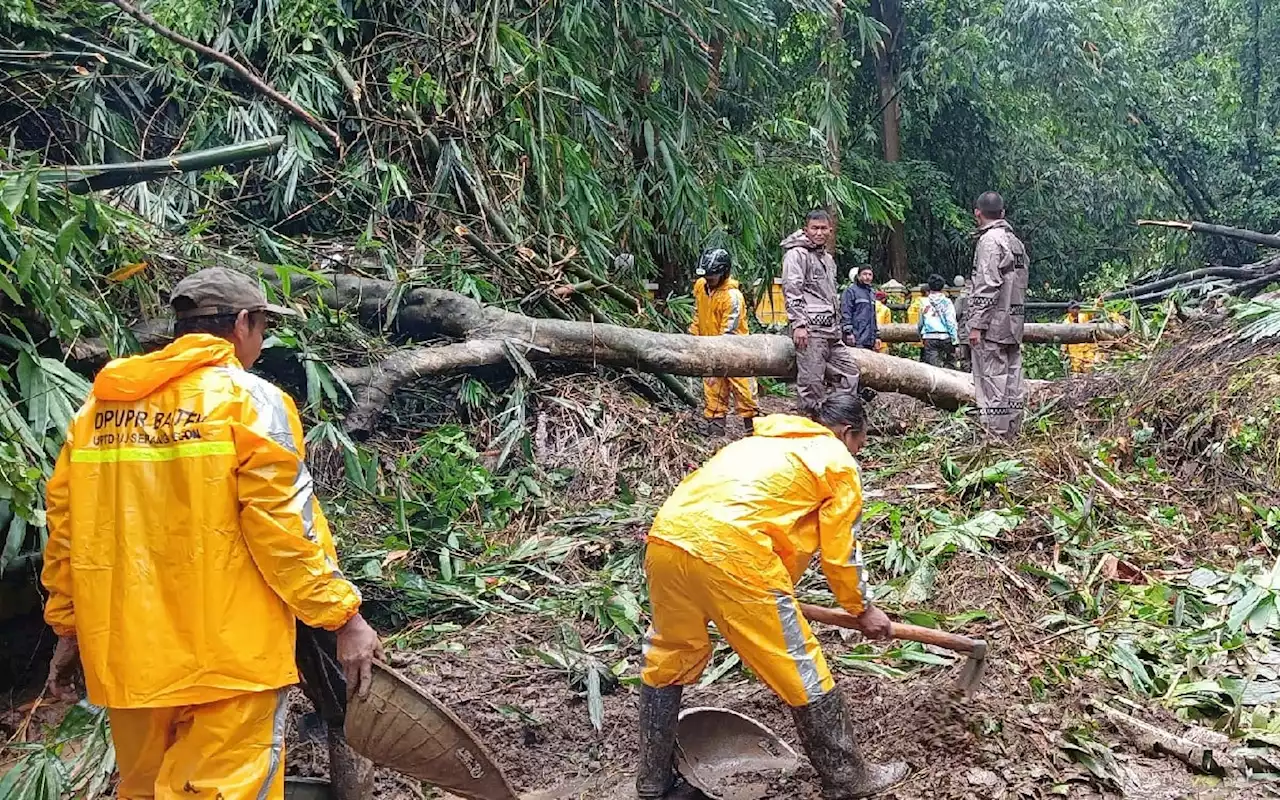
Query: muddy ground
[[1002, 743]]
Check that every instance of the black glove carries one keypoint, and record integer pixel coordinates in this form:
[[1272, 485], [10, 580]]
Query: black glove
[[867, 394]]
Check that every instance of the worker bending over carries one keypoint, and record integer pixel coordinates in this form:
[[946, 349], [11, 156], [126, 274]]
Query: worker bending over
[[728, 547], [720, 310], [185, 537], [809, 287]]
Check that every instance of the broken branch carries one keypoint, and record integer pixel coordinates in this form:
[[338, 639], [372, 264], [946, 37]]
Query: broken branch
[[235, 66]]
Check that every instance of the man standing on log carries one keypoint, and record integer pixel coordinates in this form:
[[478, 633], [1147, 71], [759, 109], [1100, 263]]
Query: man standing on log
[[720, 310], [995, 315], [809, 287], [185, 538]]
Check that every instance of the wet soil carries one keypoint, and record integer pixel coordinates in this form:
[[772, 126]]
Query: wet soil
[[999, 744]]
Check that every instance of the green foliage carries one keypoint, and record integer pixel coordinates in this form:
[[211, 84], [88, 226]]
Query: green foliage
[[77, 759], [52, 246], [1258, 319]]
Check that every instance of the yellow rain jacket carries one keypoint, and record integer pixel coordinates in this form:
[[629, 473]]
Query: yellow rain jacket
[[722, 311], [884, 316], [184, 533], [763, 505], [914, 310], [729, 544]]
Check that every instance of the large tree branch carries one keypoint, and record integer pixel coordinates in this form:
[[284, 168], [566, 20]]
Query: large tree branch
[[235, 66], [491, 335]]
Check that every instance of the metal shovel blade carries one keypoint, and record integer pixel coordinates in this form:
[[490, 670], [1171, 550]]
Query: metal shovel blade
[[402, 727], [713, 744]]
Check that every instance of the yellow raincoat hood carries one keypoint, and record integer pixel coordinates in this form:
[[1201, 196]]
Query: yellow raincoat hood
[[135, 377], [185, 537], [762, 506]]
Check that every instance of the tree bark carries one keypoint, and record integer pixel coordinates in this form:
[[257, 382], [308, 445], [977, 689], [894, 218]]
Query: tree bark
[[1032, 332], [1225, 231], [889, 14], [491, 335]]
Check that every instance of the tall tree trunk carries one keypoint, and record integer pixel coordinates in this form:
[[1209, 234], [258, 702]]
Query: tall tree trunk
[[835, 50], [1251, 89], [889, 14]]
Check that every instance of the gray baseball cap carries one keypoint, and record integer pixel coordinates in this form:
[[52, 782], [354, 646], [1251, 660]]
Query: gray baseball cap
[[218, 290]]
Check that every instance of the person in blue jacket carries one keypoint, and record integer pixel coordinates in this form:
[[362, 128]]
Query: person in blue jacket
[[858, 311]]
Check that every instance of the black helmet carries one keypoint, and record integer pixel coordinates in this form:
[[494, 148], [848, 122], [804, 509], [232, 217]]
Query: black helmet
[[715, 261]]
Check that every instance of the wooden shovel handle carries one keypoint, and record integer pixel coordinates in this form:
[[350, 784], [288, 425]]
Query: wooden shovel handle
[[899, 630], [917, 633]]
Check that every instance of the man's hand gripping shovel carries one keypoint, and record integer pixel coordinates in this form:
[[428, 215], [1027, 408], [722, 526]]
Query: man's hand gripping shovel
[[976, 649]]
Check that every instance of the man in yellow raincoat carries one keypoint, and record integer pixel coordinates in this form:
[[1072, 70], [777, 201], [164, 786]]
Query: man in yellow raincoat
[[1082, 357], [727, 547], [884, 316], [185, 538], [720, 310]]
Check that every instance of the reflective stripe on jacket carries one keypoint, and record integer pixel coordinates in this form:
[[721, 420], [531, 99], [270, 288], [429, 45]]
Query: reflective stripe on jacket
[[998, 291], [720, 311], [858, 315], [763, 505], [184, 532]]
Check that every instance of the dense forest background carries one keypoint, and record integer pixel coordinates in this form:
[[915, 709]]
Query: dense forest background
[[490, 492], [648, 130]]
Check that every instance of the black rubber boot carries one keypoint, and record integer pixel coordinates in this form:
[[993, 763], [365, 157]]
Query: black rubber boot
[[712, 426], [749, 425], [659, 709], [826, 734]]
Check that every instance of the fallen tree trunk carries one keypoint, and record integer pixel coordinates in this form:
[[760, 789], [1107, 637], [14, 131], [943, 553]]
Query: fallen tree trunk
[[1186, 278], [1032, 332], [493, 335], [1225, 231], [97, 177]]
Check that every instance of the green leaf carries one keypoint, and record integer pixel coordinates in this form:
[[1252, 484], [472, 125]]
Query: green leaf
[[1244, 607], [66, 235], [595, 701], [1133, 672]]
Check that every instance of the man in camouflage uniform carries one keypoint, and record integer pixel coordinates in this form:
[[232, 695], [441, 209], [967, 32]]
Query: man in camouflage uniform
[[994, 316], [809, 286]]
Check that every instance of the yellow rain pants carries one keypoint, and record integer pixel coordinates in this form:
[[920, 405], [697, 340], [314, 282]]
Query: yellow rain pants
[[231, 749], [729, 544], [718, 391], [722, 312], [758, 618]]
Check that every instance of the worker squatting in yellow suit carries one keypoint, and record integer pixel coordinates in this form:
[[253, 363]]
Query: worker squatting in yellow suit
[[729, 545], [183, 592], [722, 311]]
